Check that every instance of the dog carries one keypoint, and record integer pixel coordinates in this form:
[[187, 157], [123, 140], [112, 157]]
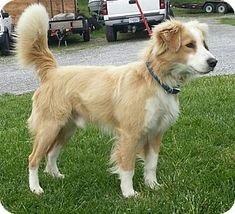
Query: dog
[[3, 210], [138, 100]]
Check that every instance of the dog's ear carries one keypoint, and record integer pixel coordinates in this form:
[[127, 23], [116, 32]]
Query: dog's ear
[[172, 38], [168, 36]]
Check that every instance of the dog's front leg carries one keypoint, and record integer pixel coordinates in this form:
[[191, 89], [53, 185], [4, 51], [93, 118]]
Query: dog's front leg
[[123, 156], [126, 177], [151, 150]]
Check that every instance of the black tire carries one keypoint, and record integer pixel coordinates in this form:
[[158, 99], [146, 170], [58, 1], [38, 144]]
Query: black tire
[[86, 33], [222, 8], [111, 34], [209, 8], [5, 44], [86, 36]]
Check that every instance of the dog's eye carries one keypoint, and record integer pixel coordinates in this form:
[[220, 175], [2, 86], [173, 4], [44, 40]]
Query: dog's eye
[[190, 45], [205, 45]]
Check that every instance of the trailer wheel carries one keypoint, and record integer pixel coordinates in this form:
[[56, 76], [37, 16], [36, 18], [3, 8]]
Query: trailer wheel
[[86, 36], [5, 44], [111, 34], [209, 8], [222, 8]]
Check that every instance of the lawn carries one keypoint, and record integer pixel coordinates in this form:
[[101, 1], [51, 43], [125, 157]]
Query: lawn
[[83, 7], [196, 166], [229, 21]]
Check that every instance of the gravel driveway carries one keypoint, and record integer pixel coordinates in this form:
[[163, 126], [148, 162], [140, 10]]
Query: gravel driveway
[[15, 80]]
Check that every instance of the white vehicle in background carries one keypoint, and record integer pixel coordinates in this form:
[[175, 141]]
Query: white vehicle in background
[[6, 29], [124, 16], [94, 6]]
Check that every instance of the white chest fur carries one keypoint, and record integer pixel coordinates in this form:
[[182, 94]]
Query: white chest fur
[[161, 111]]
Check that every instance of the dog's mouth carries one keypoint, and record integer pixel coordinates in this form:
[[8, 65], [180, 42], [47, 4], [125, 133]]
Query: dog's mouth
[[201, 72]]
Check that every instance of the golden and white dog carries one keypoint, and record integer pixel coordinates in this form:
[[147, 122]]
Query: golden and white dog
[[139, 100]]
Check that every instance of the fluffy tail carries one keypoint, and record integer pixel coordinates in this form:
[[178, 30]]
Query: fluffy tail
[[31, 46]]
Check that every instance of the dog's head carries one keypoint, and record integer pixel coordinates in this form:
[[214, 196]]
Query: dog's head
[[183, 46]]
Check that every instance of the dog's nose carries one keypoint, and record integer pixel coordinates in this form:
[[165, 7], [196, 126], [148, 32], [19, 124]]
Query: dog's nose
[[212, 62]]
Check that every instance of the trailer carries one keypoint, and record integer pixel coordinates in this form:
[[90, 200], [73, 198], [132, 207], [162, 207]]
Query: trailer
[[6, 29], [66, 23], [209, 6], [63, 14]]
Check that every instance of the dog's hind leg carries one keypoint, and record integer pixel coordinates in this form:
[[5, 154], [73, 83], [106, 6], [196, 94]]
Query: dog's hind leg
[[150, 155], [52, 156], [44, 137], [53, 152]]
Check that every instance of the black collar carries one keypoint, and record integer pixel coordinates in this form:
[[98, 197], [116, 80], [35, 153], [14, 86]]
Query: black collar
[[167, 88]]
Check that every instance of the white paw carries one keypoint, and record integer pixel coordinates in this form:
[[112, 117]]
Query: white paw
[[152, 183], [131, 193], [59, 175], [36, 190], [55, 174]]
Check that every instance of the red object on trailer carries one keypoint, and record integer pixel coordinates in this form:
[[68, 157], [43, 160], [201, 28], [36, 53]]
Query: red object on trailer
[[142, 16]]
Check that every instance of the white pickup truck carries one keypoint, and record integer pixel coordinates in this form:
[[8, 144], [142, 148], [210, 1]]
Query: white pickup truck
[[6, 29], [124, 16]]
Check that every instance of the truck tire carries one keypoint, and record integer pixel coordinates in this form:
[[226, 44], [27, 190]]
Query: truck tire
[[222, 8], [209, 8], [5, 44], [86, 36], [111, 34]]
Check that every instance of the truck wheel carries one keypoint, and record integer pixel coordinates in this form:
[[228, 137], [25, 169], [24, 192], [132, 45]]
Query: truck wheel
[[209, 8], [111, 34], [222, 8], [6, 44], [86, 36]]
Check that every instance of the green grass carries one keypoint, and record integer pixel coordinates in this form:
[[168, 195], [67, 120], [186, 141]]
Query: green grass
[[196, 165], [229, 21], [83, 7]]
